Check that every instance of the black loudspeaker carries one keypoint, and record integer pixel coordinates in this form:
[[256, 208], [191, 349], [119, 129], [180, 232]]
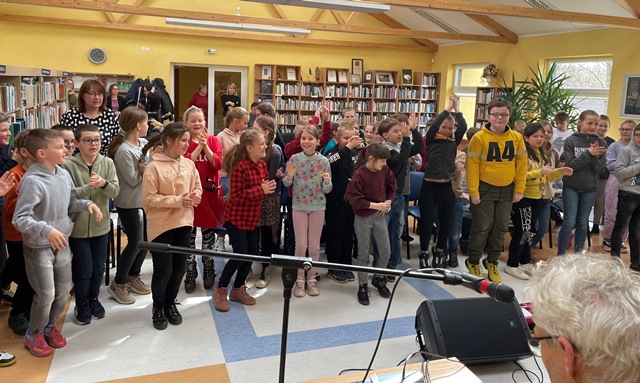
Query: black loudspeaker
[[474, 330]]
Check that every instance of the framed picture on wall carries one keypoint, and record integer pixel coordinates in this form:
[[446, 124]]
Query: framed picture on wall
[[266, 72], [407, 77], [384, 78], [342, 76], [368, 77], [354, 78], [630, 105], [332, 76], [357, 66]]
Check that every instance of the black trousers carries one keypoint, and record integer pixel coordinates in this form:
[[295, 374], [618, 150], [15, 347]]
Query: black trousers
[[339, 232], [24, 293], [169, 268]]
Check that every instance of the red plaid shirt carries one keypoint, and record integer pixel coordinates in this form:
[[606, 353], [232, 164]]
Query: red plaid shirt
[[243, 208]]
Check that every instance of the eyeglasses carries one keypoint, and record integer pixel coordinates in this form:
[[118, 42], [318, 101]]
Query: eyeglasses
[[625, 129], [499, 115], [91, 141], [534, 343], [94, 95]]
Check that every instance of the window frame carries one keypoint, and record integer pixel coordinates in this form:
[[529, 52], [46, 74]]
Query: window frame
[[585, 93]]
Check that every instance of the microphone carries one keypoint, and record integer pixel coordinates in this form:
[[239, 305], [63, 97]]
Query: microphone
[[497, 291]]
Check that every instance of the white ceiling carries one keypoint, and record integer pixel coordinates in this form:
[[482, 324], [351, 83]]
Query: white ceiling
[[519, 25]]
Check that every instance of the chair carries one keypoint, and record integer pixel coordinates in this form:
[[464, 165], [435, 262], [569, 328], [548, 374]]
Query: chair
[[415, 183]]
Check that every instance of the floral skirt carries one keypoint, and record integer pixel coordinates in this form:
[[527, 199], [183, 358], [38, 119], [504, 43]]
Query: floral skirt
[[270, 213]]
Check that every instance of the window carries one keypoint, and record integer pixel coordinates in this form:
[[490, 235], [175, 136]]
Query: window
[[589, 79], [466, 78]]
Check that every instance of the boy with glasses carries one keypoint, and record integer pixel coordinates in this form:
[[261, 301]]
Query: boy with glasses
[[496, 174]]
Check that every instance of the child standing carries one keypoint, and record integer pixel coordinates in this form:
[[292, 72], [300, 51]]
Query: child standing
[[628, 173], [69, 139], [598, 208], [247, 187], [370, 192], [95, 178], [126, 152], [310, 174], [524, 213], [496, 176], [561, 132], [46, 251], [442, 140], [584, 153], [205, 151], [170, 190]]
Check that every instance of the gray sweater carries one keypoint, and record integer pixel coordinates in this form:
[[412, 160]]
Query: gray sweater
[[586, 167], [627, 169], [126, 158], [44, 202]]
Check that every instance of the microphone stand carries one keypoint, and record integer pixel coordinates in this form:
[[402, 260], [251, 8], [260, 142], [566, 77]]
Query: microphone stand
[[290, 266]]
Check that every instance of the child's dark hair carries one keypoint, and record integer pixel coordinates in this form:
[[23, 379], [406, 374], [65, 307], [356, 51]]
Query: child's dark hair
[[312, 130], [239, 152], [84, 128], [561, 117], [39, 139], [129, 120], [499, 103], [606, 118], [20, 141], [586, 113], [401, 117], [386, 125], [471, 132], [267, 124], [376, 150], [62, 128], [529, 131], [3, 118], [266, 108], [171, 132]]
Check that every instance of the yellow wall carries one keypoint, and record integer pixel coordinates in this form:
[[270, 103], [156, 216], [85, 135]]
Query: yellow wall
[[619, 44]]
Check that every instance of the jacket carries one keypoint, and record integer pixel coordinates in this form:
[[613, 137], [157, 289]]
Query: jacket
[[628, 167], [210, 213], [537, 183], [586, 167], [441, 151], [399, 161]]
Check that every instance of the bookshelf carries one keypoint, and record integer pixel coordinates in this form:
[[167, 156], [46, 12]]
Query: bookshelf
[[124, 81], [483, 96], [32, 97], [296, 99]]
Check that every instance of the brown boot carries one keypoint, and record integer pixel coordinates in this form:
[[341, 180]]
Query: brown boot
[[220, 299], [240, 295]]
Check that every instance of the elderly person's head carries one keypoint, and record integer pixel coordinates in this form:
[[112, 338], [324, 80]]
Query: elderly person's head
[[587, 314]]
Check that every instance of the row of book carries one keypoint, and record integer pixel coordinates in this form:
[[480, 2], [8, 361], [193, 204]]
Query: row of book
[[7, 98]]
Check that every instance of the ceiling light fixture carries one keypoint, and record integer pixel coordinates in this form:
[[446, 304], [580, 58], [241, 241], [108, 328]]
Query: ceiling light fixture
[[236, 26], [339, 5]]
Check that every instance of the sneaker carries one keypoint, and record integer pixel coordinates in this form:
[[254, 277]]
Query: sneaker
[[82, 313], [6, 359], [220, 299], [312, 288], [390, 278], [36, 344], [209, 273], [453, 260], [424, 259], [159, 319], [121, 293], [7, 295], [337, 276], [439, 258], [137, 286], [363, 295], [218, 245], [528, 268], [171, 312], [298, 289], [474, 269], [595, 229], [494, 274], [623, 248], [606, 245], [264, 278], [380, 283], [97, 310], [240, 295], [347, 274], [516, 272], [18, 323], [190, 276], [53, 337]]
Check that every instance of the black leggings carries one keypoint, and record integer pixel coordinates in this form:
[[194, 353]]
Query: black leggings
[[243, 242], [169, 268], [432, 195]]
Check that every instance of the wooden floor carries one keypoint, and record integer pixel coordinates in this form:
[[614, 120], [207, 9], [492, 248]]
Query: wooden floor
[[29, 369]]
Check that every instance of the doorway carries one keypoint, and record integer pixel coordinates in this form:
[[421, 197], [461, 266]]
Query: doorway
[[185, 84]]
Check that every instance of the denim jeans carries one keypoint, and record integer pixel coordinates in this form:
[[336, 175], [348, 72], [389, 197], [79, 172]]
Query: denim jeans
[[87, 266], [134, 225], [395, 222], [541, 221], [628, 216], [242, 242], [169, 268], [576, 207]]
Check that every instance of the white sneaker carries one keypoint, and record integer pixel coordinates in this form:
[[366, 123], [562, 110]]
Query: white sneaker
[[218, 245], [528, 268], [516, 272]]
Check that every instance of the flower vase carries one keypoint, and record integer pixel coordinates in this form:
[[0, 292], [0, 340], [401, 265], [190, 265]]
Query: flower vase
[[489, 79]]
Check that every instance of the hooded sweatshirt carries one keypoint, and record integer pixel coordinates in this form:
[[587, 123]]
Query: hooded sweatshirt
[[86, 226], [164, 183], [628, 166], [586, 167], [45, 200]]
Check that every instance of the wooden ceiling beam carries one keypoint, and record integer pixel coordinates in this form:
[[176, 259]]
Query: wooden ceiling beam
[[634, 5], [352, 17], [393, 23], [283, 16], [196, 15], [338, 17], [510, 10], [316, 15], [124, 18], [206, 33], [109, 14], [493, 25]]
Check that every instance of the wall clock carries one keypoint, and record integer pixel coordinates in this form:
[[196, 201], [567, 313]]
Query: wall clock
[[97, 55]]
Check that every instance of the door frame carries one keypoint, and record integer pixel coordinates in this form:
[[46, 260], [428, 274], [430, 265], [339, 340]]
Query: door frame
[[244, 88]]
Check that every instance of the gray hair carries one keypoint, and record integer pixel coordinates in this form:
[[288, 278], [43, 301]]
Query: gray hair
[[593, 301]]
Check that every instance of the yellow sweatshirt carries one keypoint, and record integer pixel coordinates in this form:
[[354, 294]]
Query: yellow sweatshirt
[[536, 182], [496, 159]]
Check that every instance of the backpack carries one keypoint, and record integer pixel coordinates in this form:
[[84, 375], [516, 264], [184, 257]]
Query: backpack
[[166, 105]]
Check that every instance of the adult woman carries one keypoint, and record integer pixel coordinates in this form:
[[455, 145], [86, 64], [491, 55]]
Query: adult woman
[[201, 100], [231, 99], [115, 102], [92, 109]]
